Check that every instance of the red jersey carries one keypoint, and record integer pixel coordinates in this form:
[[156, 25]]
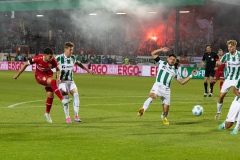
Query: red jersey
[[43, 67], [221, 67]]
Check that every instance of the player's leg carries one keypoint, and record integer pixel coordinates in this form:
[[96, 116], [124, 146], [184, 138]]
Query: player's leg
[[165, 104], [232, 113], [211, 86], [165, 113], [49, 100], [225, 88], [236, 128], [221, 83], [154, 92], [211, 82], [205, 83], [76, 102], [53, 84], [215, 78], [219, 105], [64, 90], [146, 104]]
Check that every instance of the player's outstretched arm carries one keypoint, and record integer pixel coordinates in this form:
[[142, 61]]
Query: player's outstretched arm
[[21, 70], [83, 67], [155, 52], [185, 80]]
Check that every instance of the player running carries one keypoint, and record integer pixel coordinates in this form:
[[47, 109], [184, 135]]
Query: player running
[[43, 75], [161, 88]]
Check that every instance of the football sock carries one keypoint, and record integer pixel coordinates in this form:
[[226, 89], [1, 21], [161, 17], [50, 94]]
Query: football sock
[[147, 103], [211, 87], [221, 83], [76, 103], [65, 107], [238, 122], [219, 107], [205, 87], [55, 89], [48, 104], [163, 115]]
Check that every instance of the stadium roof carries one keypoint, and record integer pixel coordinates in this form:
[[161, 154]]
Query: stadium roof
[[33, 5]]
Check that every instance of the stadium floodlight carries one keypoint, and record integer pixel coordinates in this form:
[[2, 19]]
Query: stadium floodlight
[[39, 15], [93, 14], [120, 13], [152, 12], [184, 11]]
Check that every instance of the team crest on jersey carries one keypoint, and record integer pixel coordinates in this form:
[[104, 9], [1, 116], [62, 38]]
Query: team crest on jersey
[[50, 65], [44, 78]]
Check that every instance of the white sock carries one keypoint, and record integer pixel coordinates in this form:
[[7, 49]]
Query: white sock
[[147, 103], [219, 107], [65, 107], [76, 103], [238, 122]]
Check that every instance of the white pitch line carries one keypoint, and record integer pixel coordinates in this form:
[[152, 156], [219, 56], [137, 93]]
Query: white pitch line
[[16, 104]]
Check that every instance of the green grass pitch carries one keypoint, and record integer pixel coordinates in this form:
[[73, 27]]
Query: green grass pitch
[[110, 128]]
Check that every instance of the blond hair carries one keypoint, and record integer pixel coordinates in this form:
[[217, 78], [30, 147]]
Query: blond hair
[[232, 42], [68, 44]]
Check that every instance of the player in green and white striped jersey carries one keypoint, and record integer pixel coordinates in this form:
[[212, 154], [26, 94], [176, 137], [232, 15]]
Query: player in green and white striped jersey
[[161, 88], [232, 61], [233, 112], [66, 62]]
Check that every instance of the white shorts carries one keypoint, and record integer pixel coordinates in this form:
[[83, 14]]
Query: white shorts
[[67, 86], [161, 91], [227, 85], [233, 111]]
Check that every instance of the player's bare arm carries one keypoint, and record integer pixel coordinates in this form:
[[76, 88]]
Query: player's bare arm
[[155, 52], [83, 67], [185, 80], [21, 70], [58, 72]]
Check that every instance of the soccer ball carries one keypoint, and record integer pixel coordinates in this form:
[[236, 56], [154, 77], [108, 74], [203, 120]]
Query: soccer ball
[[197, 110]]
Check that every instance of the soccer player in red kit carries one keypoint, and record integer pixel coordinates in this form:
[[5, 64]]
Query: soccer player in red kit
[[43, 75], [219, 74]]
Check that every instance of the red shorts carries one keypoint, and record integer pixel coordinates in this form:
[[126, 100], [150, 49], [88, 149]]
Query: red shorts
[[42, 79], [219, 75]]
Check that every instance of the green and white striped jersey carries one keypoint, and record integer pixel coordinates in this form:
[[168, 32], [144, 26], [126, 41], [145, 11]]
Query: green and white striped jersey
[[66, 65], [238, 87], [233, 65], [166, 73]]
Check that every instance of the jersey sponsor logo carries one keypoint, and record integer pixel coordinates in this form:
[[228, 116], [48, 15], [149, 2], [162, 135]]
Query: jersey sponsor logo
[[67, 66], [43, 69], [233, 63]]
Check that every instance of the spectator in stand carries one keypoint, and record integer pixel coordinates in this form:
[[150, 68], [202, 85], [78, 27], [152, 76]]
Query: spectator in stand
[[96, 60], [126, 61], [105, 60], [209, 58]]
